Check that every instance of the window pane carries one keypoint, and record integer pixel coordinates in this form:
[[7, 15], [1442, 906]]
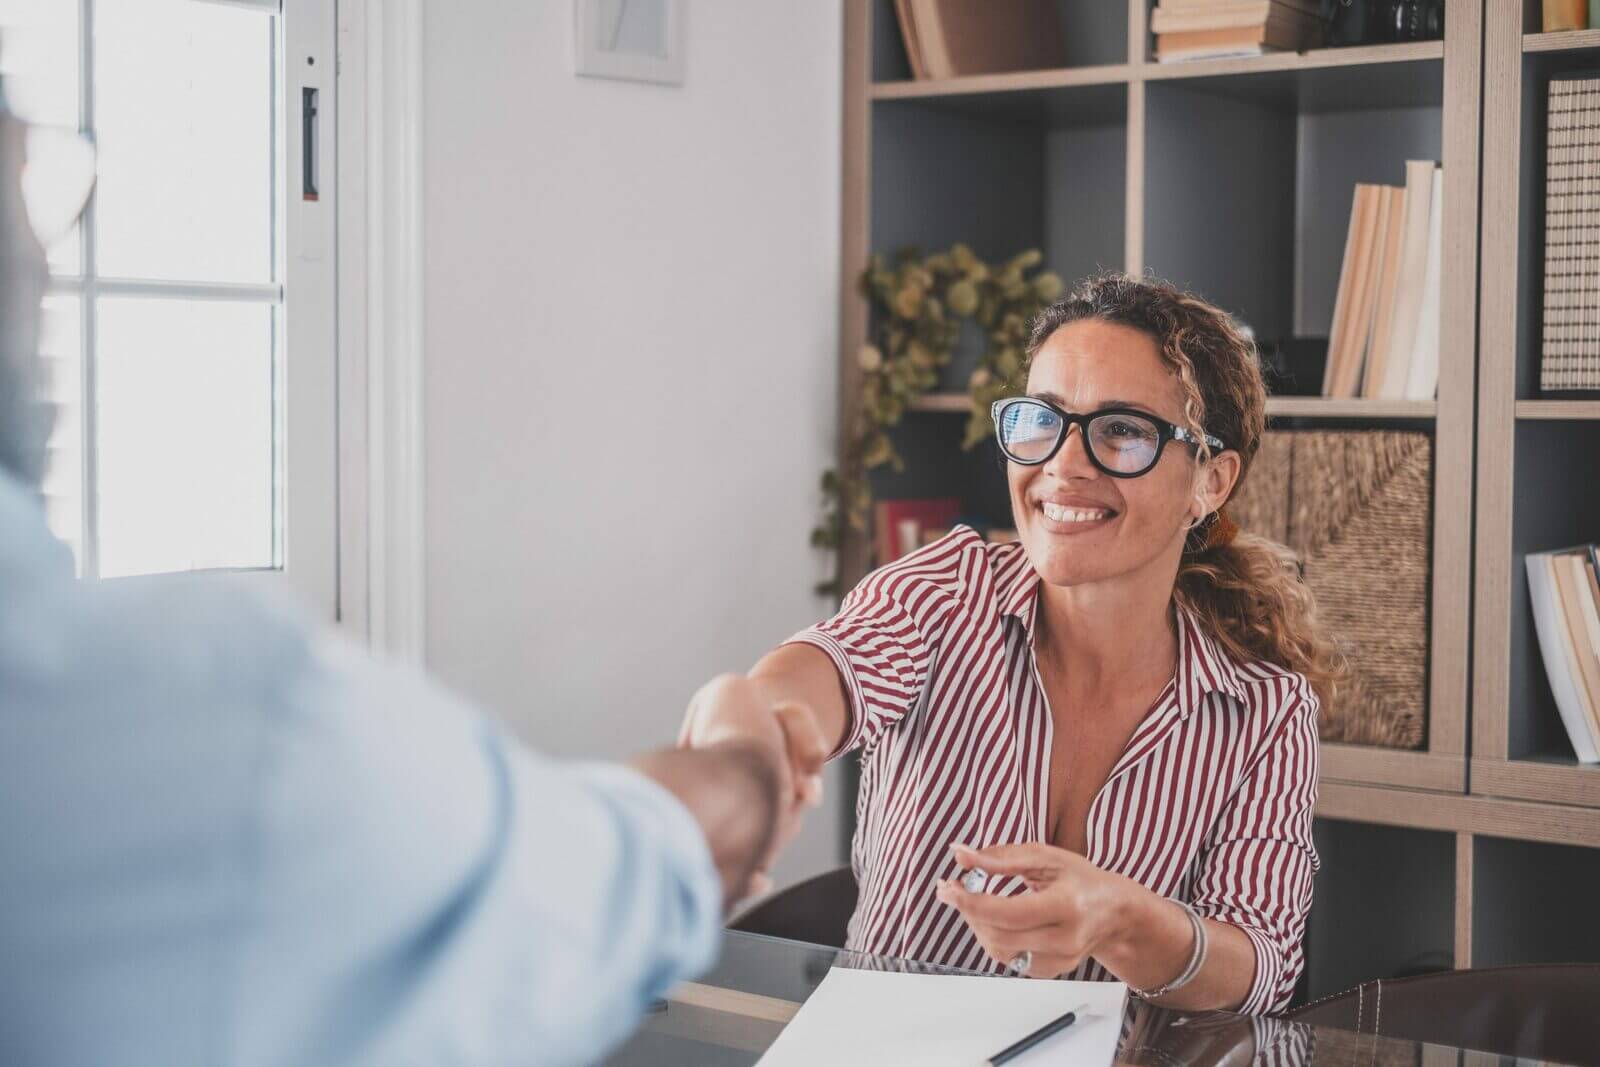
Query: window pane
[[61, 347], [185, 434], [184, 124], [39, 67]]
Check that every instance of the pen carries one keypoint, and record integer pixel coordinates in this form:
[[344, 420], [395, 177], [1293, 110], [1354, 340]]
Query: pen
[[1055, 1026]]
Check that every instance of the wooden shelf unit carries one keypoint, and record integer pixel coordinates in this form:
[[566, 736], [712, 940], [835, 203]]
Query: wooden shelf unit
[[1532, 450], [1234, 177], [1230, 176]]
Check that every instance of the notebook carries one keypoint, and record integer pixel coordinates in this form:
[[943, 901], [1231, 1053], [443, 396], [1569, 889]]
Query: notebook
[[879, 1017]]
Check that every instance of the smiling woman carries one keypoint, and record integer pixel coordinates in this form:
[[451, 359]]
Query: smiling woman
[[1114, 718]]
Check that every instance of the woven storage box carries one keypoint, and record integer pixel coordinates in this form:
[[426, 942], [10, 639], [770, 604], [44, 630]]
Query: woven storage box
[[1355, 506], [1570, 353]]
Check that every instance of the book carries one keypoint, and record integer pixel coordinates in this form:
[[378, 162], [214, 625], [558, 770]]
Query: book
[[1386, 287], [1280, 30], [1566, 570], [1309, 7], [897, 524], [1357, 328], [1587, 594], [1402, 329], [1560, 665], [1422, 377], [1344, 298], [1164, 20], [908, 34], [961, 37], [1565, 15]]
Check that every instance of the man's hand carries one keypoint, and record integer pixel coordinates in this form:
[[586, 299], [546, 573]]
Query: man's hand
[[732, 708]]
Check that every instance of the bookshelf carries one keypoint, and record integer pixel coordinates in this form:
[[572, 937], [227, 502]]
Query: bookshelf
[[1116, 161], [1530, 447]]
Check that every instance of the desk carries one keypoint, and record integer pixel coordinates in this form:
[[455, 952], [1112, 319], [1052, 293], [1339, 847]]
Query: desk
[[730, 1016]]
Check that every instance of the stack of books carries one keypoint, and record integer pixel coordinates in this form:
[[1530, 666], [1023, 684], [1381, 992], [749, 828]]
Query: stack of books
[[1208, 29], [952, 38], [1384, 343], [1565, 588]]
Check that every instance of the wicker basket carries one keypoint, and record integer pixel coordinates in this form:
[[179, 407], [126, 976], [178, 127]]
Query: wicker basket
[[1355, 506]]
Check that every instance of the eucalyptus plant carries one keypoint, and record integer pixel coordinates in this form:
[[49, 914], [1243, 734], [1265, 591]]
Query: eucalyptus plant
[[917, 306]]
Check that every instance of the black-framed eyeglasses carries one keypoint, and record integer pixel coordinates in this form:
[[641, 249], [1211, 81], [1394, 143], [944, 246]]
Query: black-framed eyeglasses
[[1123, 442]]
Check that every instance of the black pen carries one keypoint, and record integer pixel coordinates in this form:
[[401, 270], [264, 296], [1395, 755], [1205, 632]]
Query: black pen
[[1055, 1026]]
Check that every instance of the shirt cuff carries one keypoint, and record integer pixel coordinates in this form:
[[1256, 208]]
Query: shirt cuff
[[841, 661], [679, 835], [1269, 968]]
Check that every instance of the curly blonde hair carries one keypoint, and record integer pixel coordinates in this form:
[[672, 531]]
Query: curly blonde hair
[[1245, 589]]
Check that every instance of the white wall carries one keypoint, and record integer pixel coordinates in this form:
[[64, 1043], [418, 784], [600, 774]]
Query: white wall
[[631, 329]]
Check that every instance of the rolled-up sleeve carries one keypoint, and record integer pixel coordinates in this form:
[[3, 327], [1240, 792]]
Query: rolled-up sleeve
[[1257, 868], [885, 635], [428, 890]]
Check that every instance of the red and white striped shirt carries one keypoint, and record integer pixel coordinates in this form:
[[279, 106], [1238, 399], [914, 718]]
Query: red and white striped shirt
[[1210, 802]]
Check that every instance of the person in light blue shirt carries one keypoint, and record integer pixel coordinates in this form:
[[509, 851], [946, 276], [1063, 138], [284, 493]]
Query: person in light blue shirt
[[227, 838]]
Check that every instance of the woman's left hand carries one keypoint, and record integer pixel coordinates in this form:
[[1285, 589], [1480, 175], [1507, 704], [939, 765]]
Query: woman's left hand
[[1073, 909]]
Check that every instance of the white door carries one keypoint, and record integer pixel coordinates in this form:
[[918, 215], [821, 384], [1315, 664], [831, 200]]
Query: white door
[[190, 325]]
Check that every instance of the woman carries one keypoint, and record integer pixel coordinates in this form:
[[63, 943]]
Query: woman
[[1112, 720]]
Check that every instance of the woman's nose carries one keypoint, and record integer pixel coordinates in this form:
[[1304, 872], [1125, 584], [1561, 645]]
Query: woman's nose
[[1072, 458]]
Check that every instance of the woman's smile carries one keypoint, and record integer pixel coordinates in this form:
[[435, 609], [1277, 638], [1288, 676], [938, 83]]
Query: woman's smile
[[1072, 515]]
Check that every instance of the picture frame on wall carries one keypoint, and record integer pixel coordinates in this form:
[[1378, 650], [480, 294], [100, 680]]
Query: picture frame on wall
[[634, 40]]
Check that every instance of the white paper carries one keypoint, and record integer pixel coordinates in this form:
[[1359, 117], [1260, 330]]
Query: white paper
[[880, 1017]]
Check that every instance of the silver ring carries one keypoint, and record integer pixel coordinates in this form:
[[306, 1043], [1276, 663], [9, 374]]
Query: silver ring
[[1020, 963]]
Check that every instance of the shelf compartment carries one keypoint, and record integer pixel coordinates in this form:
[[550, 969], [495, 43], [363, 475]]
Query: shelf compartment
[[1533, 903], [1092, 35], [1546, 514], [1398, 886], [1248, 195]]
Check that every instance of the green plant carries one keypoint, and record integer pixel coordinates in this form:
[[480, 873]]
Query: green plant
[[917, 305]]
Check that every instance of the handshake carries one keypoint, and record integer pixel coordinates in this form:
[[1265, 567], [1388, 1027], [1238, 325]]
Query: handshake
[[780, 747]]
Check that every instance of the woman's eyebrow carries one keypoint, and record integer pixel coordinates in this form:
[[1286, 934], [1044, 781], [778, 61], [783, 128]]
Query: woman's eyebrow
[[1060, 402]]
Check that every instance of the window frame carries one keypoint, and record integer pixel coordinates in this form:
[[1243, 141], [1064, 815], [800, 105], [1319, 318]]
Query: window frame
[[302, 289]]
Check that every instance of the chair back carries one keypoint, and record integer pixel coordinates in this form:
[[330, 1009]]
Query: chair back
[[817, 910]]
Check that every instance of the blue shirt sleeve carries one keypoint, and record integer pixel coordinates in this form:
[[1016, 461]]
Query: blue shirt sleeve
[[424, 889]]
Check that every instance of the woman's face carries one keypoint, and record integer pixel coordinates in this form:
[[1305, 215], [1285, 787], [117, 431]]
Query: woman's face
[[1079, 524]]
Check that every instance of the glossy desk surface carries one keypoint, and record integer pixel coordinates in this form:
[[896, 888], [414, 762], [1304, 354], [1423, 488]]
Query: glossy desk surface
[[731, 1015]]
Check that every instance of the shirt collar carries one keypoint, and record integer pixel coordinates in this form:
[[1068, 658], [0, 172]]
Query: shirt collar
[[1204, 667]]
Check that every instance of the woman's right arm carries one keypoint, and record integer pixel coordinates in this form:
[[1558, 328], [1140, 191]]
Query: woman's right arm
[[798, 677], [856, 675]]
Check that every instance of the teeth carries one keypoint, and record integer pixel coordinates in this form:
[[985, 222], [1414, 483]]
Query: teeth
[[1058, 513]]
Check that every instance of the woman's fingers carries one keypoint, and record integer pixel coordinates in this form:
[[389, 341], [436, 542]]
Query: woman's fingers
[[806, 749], [1035, 862], [1024, 912]]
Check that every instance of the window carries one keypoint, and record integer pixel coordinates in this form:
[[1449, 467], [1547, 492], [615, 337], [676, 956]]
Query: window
[[188, 330]]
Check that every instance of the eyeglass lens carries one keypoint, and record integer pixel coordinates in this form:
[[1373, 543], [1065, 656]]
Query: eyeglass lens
[[1124, 443]]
